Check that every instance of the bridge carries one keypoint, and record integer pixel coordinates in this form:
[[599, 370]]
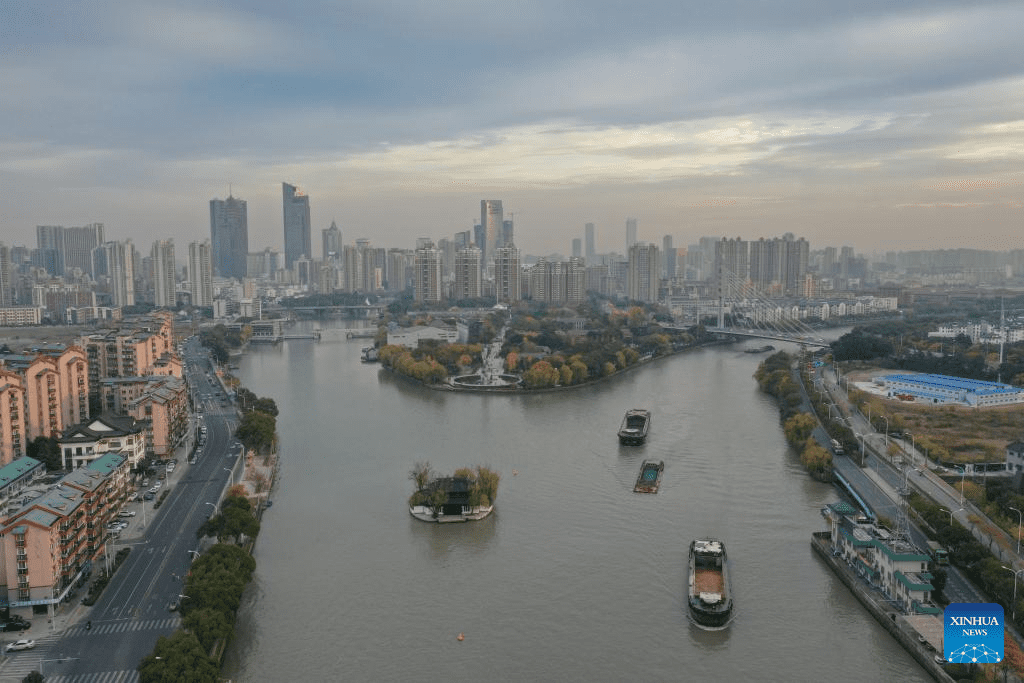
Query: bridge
[[750, 314]]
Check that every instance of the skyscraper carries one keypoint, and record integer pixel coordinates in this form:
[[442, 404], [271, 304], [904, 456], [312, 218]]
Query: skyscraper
[[588, 237], [577, 247], [668, 256], [732, 266], [298, 236], [64, 249], [200, 273], [162, 254], [492, 222], [229, 236], [5, 276], [642, 273], [331, 243], [630, 233]]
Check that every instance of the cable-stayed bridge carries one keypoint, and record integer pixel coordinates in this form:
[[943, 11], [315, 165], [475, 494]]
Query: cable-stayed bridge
[[744, 312]]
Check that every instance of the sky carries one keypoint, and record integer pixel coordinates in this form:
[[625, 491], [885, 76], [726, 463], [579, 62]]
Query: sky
[[880, 125]]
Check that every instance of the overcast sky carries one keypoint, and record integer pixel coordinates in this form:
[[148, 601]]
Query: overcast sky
[[883, 125]]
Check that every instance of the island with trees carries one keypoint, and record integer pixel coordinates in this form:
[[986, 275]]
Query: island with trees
[[468, 494]]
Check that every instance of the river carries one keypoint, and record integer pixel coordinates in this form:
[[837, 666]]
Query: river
[[574, 577]]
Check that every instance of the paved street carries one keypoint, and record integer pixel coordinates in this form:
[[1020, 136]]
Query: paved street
[[133, 610]]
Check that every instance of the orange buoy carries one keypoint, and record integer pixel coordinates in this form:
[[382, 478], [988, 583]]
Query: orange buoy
[[461, 637]]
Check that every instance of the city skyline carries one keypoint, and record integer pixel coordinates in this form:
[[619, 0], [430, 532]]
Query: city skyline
[[885, 127]]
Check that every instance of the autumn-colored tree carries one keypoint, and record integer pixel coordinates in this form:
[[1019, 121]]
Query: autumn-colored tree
[[609, 369], [636, 316], [799, 427], [565, 375], [540, 375], [512, 361]]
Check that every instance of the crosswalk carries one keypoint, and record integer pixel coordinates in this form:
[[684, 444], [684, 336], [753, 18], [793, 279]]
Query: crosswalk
[[47, 652], [130, 676], [123, 626]]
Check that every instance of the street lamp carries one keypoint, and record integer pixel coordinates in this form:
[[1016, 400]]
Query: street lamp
[[886, 432], [913, 450], [963, 473], [216, 510], [1019, 518], [950, 513], [861, 437], [195, 552], [830, 407], [231, 475], [1016, 573]]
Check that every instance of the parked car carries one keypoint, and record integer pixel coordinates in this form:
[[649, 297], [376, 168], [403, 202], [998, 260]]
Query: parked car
[[19, 625], [149, 496], [134, 495], [21, 645], [126, 513]]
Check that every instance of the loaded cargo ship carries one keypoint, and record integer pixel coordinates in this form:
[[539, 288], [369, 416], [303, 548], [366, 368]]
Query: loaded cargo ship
[[709, 594]]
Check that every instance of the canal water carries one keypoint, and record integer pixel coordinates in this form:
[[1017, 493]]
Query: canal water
[[574, 577]]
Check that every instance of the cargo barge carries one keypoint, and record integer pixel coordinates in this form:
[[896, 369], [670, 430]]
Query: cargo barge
[[709, 593], [635, 425], [649, 478]]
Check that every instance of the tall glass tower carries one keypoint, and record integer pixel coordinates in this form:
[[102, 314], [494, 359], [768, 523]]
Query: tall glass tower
[[298, 232]]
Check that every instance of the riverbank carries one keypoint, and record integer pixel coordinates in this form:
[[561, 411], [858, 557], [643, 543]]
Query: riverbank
[[891, 620]]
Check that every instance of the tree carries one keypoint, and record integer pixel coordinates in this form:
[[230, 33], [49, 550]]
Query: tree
[[421, 474], [265, 405], [46, 449], [178, 658], [34, 677], [256, 431], [234, 520], [436, 500], [209, 626]]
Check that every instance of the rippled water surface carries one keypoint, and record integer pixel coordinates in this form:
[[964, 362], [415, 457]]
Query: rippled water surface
[[574, 577]]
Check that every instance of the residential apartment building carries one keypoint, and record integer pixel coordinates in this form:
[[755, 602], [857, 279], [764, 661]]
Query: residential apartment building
[[427, 288], [162, 254], [144, 348], [507, 283], [45, 390], [83, 443], [159, 403], [642, 273], [468, 274], [200, 273], [47, 547], [229, 237]]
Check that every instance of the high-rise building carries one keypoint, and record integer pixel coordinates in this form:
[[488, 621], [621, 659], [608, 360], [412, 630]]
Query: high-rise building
[[507, 284], [507, 233], [732, 266], [577, 247], [229, 236], [200, 272], [642, 273], [668, 257], [492, 223], [6, 291], [427, 287], [162, 254], [61, 249], [468, 274], [588, 237], [120, 259], [297, 227], [331, 243], [630, 233]]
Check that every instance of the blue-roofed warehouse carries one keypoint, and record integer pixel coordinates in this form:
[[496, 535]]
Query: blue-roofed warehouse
[[938, 389]]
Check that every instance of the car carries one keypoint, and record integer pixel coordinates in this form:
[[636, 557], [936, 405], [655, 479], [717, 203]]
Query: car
[[126, 513], [16, 625], [149, 496], [145, 483], [170, 467], [157, 486], [21, 645], [134, 495]]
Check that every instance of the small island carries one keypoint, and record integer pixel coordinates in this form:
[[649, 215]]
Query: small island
[[466, 495]]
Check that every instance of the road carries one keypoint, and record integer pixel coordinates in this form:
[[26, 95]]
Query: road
[[133, 610]]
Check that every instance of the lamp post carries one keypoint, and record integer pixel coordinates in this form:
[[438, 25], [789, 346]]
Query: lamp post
[[913, 450], [216, 510], [963, 473], [231, 475], [196, 553], [1016, 573], [886, 432], [861, 437], [830, 407], [950, 513], [1019, 518]]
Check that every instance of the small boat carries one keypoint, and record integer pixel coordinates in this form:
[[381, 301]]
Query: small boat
[[760, 349], [649, 478], [370, 354], [635, 424], [709, 593]]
